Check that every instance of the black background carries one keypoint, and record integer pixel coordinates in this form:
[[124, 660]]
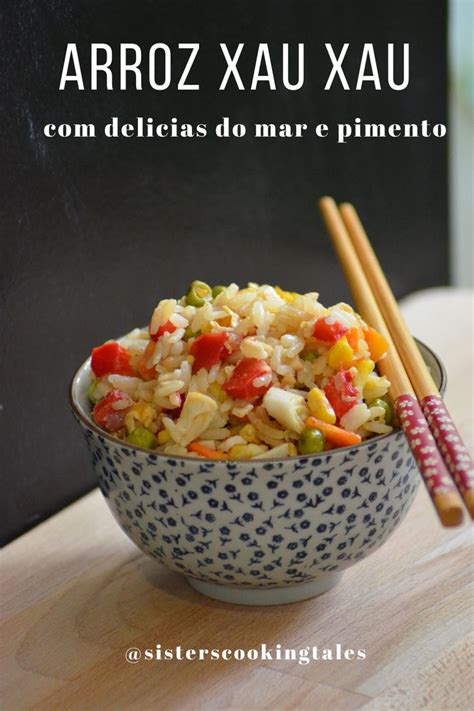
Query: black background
[[94, 232]]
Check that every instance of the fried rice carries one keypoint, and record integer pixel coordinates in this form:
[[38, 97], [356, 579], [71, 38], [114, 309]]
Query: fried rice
[[230, 373]]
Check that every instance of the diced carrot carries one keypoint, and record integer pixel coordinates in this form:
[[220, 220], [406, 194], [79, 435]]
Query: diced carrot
[[334, 435], [353, 336], [142, 367], [206, 452], [378, 344]]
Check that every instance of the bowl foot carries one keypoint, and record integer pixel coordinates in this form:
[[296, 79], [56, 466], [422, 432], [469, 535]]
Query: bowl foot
[[266, 596]]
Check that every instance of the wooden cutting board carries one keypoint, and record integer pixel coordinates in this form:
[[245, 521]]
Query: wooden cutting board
[[76, 594]]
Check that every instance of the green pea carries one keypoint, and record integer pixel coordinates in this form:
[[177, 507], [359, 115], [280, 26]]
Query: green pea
[[216, 290], [388, 417], [198, 293], [311, 441], [141, 437], [309, 356], [92, 394], [189, 333]]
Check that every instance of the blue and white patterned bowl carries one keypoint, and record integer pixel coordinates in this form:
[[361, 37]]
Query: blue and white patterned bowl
[[262, 532]]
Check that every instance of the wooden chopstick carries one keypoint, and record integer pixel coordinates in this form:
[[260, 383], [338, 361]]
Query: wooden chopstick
[[439, 484], [450, 444]]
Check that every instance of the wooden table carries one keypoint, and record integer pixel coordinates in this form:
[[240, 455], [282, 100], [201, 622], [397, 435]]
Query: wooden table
[[77, 594]]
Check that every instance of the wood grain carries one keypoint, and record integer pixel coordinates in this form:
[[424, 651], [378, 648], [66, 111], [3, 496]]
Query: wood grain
[[437, 686], [76, 594]]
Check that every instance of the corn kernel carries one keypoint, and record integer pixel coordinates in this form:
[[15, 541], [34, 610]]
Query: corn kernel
[[376, 386], [288, 296], [246, 451], [292, 451], [249, 433], [370, 387], [190, 359], [217, 392], [320, 406], [364, 369], [142, 413], [206, 328], [163, 437], [340, 355]]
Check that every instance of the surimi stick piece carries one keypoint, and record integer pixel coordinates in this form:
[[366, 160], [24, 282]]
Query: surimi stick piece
[[453, 449], [439, 484]]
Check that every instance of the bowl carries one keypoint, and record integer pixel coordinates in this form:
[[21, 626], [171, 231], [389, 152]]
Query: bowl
[[260, 532]]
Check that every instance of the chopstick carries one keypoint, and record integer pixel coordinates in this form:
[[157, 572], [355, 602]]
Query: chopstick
[[440, 486], [450, 444]]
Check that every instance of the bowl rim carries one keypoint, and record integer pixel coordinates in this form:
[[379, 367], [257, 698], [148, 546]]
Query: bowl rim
[[88, 422]]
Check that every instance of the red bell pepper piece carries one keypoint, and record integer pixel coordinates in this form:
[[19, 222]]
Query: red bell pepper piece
[[210, 348], [105, 415], [328, 330], [166, 327], [111, 358], [341, 393], [241, 384]]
